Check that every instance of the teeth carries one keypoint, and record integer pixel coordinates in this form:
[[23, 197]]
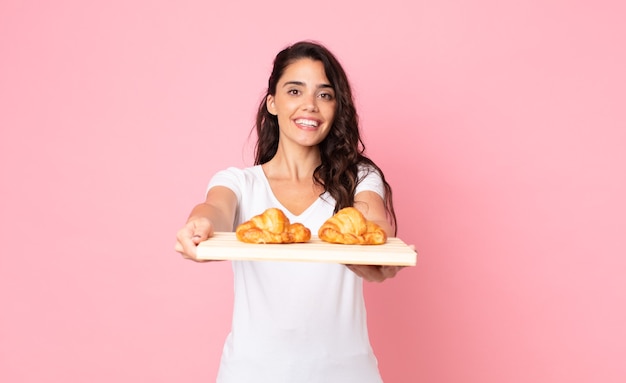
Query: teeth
[[306, 122]]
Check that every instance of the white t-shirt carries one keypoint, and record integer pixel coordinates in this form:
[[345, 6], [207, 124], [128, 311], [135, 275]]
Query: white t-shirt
[[294, 322]]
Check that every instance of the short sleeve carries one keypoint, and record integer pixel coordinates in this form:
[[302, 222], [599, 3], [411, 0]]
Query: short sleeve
[[232, 178], [370, 180]]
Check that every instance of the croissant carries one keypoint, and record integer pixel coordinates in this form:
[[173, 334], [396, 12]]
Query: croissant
[[272, 226], [348, 226]]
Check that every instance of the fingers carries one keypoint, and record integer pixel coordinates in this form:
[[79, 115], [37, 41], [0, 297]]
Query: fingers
[[373, 273], [178, 247], [184, 242], [368, 272], [391, 271]]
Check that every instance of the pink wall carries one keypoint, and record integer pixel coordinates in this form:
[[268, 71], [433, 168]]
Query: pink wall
[[502, 128]]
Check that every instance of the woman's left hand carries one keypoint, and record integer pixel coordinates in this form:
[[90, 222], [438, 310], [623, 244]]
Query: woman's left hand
[[373, 273]]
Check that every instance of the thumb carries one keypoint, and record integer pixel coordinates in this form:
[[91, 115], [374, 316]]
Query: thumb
[[201, 232]]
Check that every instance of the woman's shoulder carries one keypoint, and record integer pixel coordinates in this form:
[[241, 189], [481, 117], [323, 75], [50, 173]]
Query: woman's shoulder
[[238, 175], [365, 169], [241, 171]]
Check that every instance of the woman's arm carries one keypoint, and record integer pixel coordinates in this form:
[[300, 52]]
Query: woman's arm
[[216, 213], [372, 206]]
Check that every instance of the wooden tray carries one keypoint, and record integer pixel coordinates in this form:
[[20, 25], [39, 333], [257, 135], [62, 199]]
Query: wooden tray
[[226, 246]]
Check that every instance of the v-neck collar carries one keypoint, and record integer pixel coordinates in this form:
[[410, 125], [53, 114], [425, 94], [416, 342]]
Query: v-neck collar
[[300, 216]]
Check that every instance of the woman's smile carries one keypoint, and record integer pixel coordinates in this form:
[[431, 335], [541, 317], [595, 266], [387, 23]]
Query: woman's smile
[[306, 124]]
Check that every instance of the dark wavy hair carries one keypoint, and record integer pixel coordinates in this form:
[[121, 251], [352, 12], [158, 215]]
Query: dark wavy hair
[[342, 151]]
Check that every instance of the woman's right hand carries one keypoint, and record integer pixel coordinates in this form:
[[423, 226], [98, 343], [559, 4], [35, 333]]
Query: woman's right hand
[[189, 236], [217, 213]]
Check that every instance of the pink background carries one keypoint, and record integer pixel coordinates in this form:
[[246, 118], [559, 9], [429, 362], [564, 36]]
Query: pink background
[[502, 128]]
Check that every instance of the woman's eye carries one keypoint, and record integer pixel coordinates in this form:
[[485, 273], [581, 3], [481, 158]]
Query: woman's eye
[[326, 96], [294, 92]]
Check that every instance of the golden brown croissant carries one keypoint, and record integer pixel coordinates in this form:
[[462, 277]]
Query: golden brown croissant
[[272, 226], [350, 227]]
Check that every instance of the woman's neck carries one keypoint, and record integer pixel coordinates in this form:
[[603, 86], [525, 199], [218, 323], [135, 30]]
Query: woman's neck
[[295, 166]]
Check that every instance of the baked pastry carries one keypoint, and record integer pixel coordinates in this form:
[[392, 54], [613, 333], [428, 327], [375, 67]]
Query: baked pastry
[[272, 226], [348, 226]]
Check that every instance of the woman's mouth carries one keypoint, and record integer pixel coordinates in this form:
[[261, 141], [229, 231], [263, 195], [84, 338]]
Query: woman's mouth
[[306, 123]]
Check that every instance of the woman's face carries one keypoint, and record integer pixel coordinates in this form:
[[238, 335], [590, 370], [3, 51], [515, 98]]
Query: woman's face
[[304, 103]]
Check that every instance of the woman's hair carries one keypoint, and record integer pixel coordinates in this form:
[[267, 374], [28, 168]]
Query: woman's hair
[[342, 151]]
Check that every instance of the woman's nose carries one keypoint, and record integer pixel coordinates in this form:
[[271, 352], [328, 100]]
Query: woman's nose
[[310, 103]]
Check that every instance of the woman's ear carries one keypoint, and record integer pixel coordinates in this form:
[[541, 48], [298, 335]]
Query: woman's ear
[[269, 103]]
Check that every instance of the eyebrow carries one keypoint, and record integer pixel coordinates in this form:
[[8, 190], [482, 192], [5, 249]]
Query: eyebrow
[[300, 83]]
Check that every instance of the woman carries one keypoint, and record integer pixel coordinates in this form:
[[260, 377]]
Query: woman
[[299, 322]]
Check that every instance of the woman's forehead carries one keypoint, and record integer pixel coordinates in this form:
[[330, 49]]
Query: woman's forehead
[[305, 70]]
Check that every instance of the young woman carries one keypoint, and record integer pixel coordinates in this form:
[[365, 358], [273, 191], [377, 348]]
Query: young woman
[[299, 322]]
